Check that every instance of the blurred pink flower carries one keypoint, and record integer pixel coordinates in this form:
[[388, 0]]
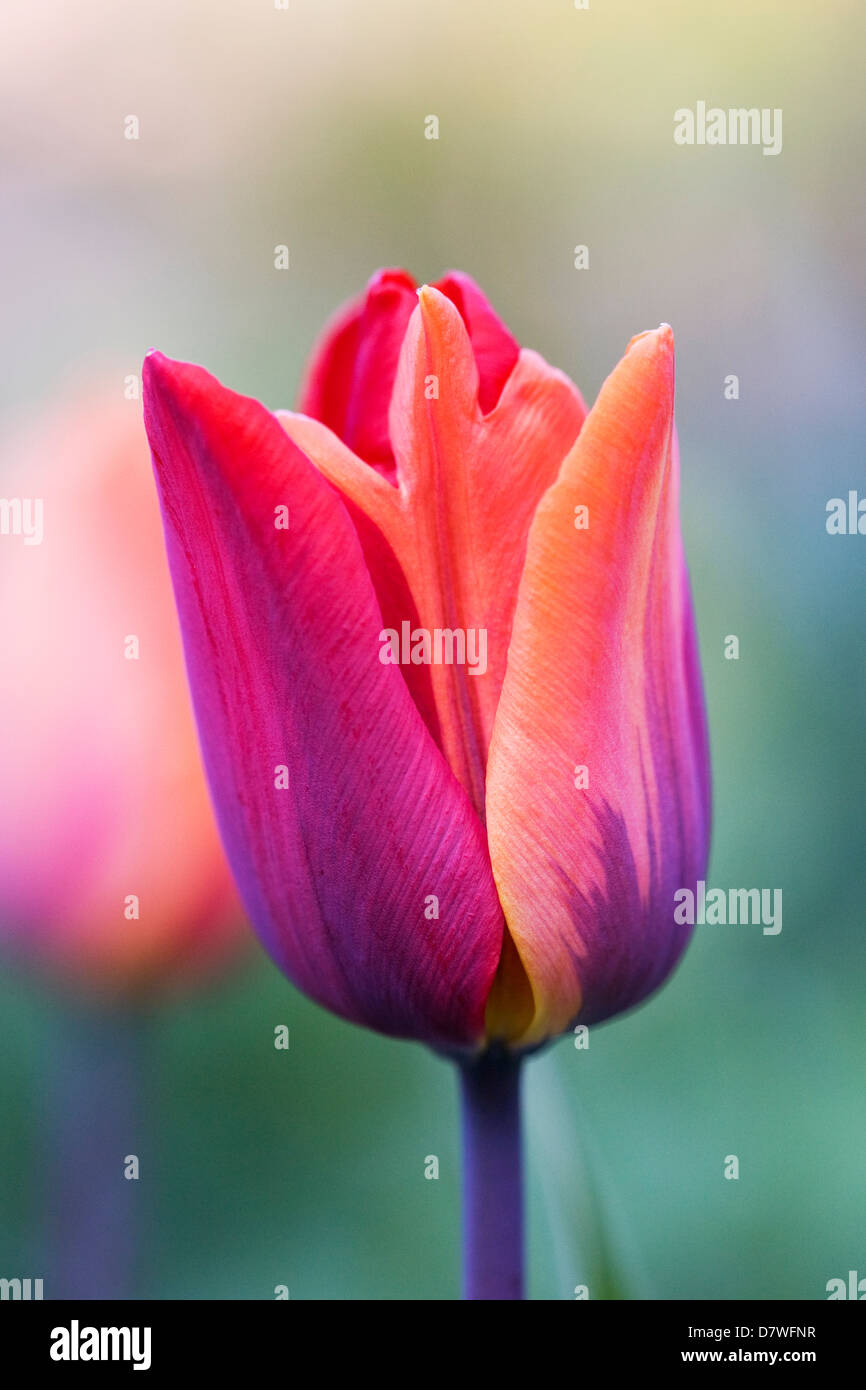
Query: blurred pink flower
[[104, 811]]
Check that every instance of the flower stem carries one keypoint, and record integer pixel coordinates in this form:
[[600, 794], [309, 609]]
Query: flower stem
[[492, 1178], [92, 1126]]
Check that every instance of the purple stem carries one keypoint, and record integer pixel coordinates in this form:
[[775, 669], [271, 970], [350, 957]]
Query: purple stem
[[492, 1178], [92, 1125]]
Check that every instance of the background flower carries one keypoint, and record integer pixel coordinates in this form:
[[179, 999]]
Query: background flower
[[104, 799]]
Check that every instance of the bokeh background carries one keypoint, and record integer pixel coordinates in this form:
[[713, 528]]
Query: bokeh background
[[305, 126]]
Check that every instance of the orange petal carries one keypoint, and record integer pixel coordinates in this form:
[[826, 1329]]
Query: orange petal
[[602, 674], [457, 521]]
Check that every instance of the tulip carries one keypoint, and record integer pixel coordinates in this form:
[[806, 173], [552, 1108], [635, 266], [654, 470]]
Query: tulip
[[112, 877], [113, 882], [472, 858]]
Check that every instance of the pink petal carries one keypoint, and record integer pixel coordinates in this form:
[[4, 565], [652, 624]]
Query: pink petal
[[352, 370], [495, 350], [281, 630]]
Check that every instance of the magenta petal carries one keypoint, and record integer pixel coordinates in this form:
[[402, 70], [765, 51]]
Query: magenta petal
[[351, 376], [493, 347], [342, 871]]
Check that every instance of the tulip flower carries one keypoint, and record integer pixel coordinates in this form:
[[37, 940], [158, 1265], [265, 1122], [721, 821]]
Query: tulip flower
[[112, 877], [114, 888], [472, 853]]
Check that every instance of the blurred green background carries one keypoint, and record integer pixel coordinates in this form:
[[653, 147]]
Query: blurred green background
[[260, 126]]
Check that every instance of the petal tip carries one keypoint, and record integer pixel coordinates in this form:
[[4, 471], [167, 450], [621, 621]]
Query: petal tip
[[387, 277], [439, 313], [651, 355], [665, 337], [155, 370], [660, 340]]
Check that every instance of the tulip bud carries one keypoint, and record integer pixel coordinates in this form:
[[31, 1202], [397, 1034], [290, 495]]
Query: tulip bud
[[434, 478], [111, 872]]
